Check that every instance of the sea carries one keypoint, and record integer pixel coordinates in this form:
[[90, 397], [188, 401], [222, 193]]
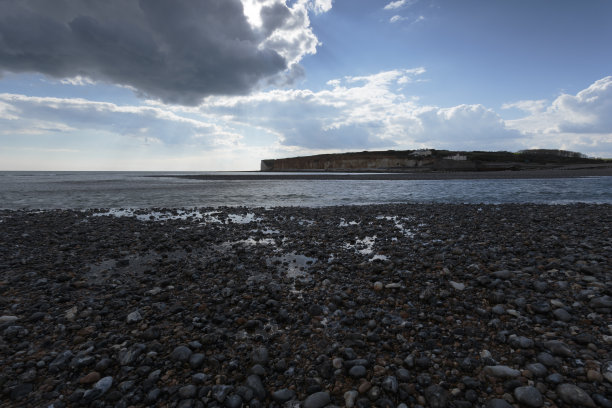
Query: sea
[[136, 190]]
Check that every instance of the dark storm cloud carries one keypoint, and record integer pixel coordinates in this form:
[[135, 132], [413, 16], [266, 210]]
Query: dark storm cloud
[[178, 51]]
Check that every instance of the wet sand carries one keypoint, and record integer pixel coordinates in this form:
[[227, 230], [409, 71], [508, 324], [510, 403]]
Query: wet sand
[[386, 306]]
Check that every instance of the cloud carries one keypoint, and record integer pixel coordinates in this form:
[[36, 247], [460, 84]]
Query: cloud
[[396, 18], [27, 115], [398, 4], [580, 122], [366, 112], [178, 52], [586, 112]]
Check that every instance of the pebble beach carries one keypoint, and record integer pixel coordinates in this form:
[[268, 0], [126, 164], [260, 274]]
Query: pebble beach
[[396, 305]]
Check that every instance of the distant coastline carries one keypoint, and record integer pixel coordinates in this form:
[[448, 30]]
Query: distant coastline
[[576, 171], [438, 161]]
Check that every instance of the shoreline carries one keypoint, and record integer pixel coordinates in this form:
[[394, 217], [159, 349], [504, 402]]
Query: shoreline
[[377, 305], [417, 175]]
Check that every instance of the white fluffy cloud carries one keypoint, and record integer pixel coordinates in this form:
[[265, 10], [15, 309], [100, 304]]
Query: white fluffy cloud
[[397, 4], [27, 115], [366, 112], [575, 122], [178, 51]]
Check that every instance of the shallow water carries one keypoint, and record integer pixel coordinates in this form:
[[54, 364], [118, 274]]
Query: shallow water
[[79, 190]]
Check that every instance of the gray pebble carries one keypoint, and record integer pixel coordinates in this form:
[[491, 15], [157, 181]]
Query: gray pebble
[[574, 395], [317, 400], [357, 371], [529, 396], [181, 353]]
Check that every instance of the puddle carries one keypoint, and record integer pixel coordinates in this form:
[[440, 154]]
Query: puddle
[[296, 265], [379, 257], [343, 223], [206, 217], [266, 231], [363, 246], [407, 232]]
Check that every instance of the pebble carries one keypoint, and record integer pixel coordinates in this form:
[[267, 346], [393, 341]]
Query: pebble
[[134, 317], [90, 378], [350, 397], [254, 382], [283, 395], [225, 325], [188, 391], [457, 285], [537, 369], [501, 371], [181, 353], [317, 400], [436, 396], [529, 396], [357, 371], [497, 403], [8, 319], [606, 371], [574, 395], [260, 355], [233, 401]]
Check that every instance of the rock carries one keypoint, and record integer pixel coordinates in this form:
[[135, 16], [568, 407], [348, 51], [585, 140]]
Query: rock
[[457, 285], [8, 319], [606, 371], [403, 375], [254, 382], [602, 401], [529, 396], [537, 369], [233, 401], [436, 396], [554, 378], [134, 317], [188, 391], [196, 360], [181, 353], [504, 274], [562, 315], [317, 400], [558, 348], [501, 371], [129, 356], [283, 395], [20, 391], [60, 362], [540, 307], [90, 378], [497, 403], [390, 384], [602, 302], [71, 314], [378, 286], [315, 310], [260, 356], [220, 392], [574, 396], [99, 389], [547, 359], [349, 398], [152, 396], [357, 371], [520, 342]]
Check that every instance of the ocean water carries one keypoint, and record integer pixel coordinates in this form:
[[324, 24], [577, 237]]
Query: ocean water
[[80, 190]]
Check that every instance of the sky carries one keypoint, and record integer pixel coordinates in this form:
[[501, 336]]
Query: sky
[[218, 85]]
